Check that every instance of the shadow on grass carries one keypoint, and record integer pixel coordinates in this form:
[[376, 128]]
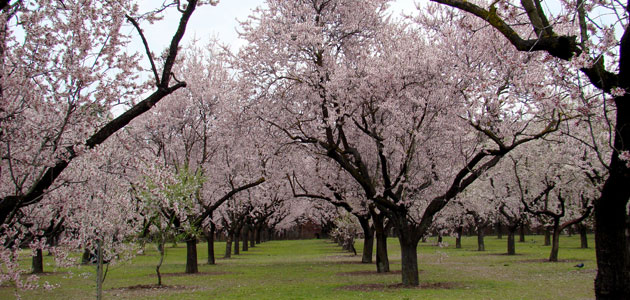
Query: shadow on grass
[[546, 260], [151, 287], [194, 274], [392, 287], [368, 272]]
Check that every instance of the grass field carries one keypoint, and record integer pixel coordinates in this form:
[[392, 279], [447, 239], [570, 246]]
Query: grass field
[[318, 269]]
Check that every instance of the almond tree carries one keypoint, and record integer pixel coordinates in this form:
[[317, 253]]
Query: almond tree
[[593, 37], [322, 181], [412, 128], [63, 69], [556, 191]]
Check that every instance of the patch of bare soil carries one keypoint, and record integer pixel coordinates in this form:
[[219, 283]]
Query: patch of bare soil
[[193, 274], [348, 262], [383, 287], [538, 260], [47, 273], [151, 287], [367, 272], [152, 291], [502, 254]]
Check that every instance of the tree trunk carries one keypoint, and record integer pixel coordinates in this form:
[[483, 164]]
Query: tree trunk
[[162, 252], [368, 240], [511, 246], [409, 260], [458, 239], [480, 244], [547, 236], [521, 238], [499, 230], [555, 243], [38, 262], [612, 223], [258, 234], [228, 246], [252, 241], [439, 239], [99, 270], [236, 239], [87, 257], [245, 238], [382, 260], [583, 237], [191, 256], [210, 238], [269, 234]]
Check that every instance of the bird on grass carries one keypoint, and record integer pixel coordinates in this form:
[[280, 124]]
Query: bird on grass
[[580, 265]]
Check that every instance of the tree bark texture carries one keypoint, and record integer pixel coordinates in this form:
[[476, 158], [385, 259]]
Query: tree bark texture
[[547, 236], [555, 242], [368, 240], [38, 262], [481, 246], [409, 261], [382, 260], [228, 246], [499, 230], [245, 238], [236, 243], [583, 237], [210, 239], [191, 256], [458, 239], [258, 234], [511, 245], [86, 257], [612, 223]]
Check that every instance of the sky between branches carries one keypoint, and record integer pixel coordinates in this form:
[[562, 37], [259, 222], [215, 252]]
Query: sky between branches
[[219, 21]]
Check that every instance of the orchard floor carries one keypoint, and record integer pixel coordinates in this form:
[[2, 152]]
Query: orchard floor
[[318, 269]]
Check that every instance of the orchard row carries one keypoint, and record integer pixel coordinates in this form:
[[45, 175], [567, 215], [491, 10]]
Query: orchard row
[[461, 114]]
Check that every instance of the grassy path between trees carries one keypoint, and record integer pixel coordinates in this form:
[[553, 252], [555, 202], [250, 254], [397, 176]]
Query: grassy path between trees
[[318, 269]]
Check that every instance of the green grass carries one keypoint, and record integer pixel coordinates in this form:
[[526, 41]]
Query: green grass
[[318, 269]]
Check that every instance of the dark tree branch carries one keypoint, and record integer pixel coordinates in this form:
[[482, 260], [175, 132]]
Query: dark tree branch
[[146, 48], [209, 209], [563, 47], [48, 177]]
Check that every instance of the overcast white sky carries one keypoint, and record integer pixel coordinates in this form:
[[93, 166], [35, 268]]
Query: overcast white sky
[[220, 21]]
